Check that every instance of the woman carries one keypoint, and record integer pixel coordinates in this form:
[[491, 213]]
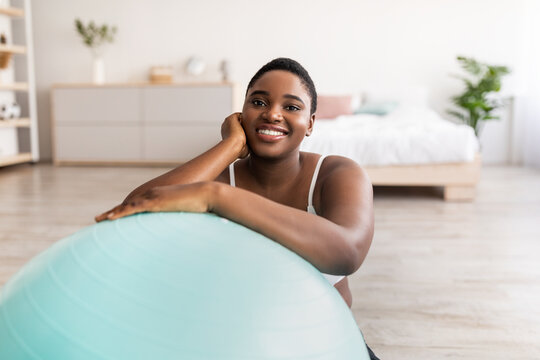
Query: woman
[[319, 207]]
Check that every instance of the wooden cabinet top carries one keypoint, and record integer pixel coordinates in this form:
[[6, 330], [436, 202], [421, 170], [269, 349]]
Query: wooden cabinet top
[[141, 84]]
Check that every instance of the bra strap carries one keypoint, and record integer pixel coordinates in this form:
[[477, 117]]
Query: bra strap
[[231, 175], [314, 181]]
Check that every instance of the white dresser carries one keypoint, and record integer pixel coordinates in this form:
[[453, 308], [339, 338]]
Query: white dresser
[[137, 123]]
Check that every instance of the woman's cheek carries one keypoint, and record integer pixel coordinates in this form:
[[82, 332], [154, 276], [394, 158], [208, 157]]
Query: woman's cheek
[[244, 109]]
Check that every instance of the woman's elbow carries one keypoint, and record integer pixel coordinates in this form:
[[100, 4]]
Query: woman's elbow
[[348, 262], [358, 252], [354, 263]]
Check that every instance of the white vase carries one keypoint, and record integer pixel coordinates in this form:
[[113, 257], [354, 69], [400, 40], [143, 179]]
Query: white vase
[[98, 74]]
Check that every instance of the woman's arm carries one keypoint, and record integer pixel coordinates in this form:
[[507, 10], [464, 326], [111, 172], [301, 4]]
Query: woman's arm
[[205, 167], [336, 242]]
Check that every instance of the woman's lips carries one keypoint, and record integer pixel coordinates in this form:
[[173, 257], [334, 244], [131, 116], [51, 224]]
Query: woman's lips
[[270, 134]]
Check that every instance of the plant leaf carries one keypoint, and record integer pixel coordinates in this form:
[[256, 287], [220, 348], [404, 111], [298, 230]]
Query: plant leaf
[[93, 35]]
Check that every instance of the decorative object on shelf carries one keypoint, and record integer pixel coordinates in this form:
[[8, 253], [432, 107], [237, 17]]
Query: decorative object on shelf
[[161, 75], [195, 66], [225, 68], [96, 37], [477, 103], [5, 57], [10, 111]]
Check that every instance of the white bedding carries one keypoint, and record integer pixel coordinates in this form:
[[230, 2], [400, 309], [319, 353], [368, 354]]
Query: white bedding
[[407, 136]]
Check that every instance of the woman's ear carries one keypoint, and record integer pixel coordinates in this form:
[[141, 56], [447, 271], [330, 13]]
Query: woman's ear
[[310, 127]]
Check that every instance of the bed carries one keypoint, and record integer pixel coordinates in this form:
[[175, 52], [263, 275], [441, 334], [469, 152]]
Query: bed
[[409, 145]]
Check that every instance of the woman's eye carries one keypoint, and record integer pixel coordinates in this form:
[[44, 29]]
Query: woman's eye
[[292, 108], [258, 103]]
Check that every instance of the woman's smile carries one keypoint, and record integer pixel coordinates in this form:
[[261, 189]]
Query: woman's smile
[[271, 133]]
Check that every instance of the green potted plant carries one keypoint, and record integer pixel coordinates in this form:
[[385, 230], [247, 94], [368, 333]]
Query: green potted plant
[[476, 104], [95, 37]]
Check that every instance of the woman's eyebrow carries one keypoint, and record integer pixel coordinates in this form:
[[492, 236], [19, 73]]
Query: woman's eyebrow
[[290, 96], [260, 92]]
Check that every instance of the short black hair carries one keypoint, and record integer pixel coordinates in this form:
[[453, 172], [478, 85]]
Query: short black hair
[[293, 67]]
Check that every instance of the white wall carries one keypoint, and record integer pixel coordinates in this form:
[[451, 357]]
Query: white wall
[[347, 45], [528, 99]]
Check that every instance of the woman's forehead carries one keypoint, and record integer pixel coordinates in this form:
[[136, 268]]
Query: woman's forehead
[[279, 82]]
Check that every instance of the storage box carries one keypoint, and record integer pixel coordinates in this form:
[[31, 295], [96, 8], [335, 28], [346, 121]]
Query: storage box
[[9, 144], [161, 75]]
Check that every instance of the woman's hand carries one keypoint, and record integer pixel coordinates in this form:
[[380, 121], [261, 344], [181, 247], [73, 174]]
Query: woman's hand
[[232, 128], [190, 198]]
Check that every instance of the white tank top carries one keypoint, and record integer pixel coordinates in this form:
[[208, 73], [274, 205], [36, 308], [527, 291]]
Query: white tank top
[[332, 279]]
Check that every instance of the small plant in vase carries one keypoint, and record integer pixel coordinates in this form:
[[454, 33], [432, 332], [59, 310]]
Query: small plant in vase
[[96, 37], [475, 103]]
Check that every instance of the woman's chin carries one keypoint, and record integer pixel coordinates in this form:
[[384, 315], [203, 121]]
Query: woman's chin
[[272, 153]]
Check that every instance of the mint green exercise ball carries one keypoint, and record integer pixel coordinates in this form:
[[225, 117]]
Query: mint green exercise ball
[[173, 286]]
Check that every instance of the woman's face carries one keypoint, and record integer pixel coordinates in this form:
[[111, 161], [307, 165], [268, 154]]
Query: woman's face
[[276, 114]]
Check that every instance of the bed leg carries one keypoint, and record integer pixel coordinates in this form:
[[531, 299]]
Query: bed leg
[[459, 193]]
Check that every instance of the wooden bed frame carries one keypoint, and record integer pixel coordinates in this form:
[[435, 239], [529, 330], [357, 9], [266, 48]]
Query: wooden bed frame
[[458, 179]]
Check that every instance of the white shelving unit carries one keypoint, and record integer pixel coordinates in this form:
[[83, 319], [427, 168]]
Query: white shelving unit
[[18, 137]]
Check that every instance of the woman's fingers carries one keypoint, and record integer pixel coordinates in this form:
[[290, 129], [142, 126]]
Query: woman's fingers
[[125, 210], [100, 218], [191, 198], [119, 211], [232, 126], [104, 216], [137, 204], [245, 149]]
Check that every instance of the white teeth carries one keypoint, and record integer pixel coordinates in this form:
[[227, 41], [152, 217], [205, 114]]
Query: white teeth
[[270, 132]]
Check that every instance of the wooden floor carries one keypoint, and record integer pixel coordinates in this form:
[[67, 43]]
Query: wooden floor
[[442, 280]]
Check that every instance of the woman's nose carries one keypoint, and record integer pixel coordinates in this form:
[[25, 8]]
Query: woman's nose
[[274, 114]]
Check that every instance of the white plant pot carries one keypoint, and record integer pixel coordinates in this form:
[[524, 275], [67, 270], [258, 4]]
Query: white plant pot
[[98, 74]]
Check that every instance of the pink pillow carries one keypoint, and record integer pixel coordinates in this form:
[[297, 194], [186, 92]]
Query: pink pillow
[[329, 107]]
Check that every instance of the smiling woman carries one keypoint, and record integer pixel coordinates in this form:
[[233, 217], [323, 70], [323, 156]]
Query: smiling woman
[[275, 113], [319, 207]]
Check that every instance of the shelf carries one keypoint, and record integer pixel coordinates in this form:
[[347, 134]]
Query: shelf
[[11, 11], [15, 159], [12, 49], [19, 80], [22, 122], [14, 86]]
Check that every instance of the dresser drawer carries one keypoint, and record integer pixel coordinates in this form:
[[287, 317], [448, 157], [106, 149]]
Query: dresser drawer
[[178, 143], [95, 105], [190, 105], [145, 123], [97, 143]]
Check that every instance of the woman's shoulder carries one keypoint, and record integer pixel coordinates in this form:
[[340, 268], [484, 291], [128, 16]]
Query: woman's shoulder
[[341, 182], [335, 166], [332, 162], [339, 161]]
